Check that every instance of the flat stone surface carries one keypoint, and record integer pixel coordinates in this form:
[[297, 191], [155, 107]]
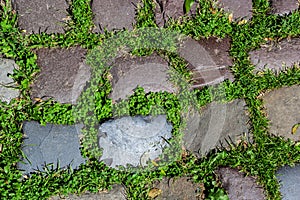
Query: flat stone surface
[[216, 123], [276, 56], [239, 186], [149, 72], [117, 193], [166, 9], [63, 74], [289, 180], [282, 7], [208, 59], [181, 188], [49, 144], [41, 16], [282, 107], [117, 14], [6, 92], [241, 9], [133, 140]]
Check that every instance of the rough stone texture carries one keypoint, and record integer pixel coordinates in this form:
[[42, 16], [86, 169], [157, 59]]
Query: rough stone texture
[[6, 93], [289, 180], [274, 56], [282, 109], [208, 59], [133, 140], [48, 144], [181, 188], [166, 9], [41, 16], [216, 124], [239, 186], [241, 9], [149, 72], [117, 14], [117, 193], [63, 74], [282, 7]]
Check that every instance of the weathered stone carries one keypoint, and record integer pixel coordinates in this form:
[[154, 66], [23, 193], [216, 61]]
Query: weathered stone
[[239, 186], [117, 193], [282, 7], [7, 92], [289, 180], [282, 109], [276, 56], [149, 72], [166, 9], [63, 74], [50, 144], [216, 124], [241, 9], [133, 140], [117, 14], [181, 188], [42, 16], [208, 59]]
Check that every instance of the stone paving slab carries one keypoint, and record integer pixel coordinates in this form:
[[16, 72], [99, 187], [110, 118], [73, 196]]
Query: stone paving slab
[[6, 92], [216, 123], [166, 9], [117, 14], [50, 144], [63, 74], [276, 56], [241, 9], [149, 72], [282, 107], [289, 180], [208, 59], [181, 188], [41, 16], [239, 186], [282, 7], [117, 193], [133, 140]]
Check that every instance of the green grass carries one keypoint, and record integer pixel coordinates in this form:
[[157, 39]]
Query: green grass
[[261, 159]]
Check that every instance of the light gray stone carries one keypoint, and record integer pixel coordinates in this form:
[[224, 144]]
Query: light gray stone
[[276, 56], [133, 140], [282, 107], [50, 144], [241, 9], [289, 180], [282, 7], [213, 125], [7, 92]]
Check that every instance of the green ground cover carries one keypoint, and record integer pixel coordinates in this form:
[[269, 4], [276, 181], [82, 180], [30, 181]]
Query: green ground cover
[[261, 159]]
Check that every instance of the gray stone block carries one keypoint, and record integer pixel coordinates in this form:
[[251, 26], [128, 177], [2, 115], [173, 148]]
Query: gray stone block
[[241, 9], [282, 7]]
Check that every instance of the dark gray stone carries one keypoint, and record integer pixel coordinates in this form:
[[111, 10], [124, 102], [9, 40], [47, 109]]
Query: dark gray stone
[[133, 140], [276, 56], [149, 72], [282, 108], [166, 9], [117, 14], [208, 59], [289, 180], [239, 186], [63, 74], [241, 9], [282, 7], [37, 16], [178, 188], [117, 193], [216, 124], [49, 144], [7, 92]]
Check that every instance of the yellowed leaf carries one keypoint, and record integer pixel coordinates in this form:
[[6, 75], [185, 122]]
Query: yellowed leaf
[[244, 21], [230, 17], [154, 192], [295, 128]]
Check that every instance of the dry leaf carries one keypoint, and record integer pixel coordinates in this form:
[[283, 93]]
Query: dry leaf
[[295, 128], [154, 192]]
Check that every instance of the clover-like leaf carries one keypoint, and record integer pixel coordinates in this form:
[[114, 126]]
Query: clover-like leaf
[[187, 5]]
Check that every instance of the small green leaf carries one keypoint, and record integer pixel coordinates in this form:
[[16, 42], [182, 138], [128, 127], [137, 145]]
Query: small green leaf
[[187, 5]]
